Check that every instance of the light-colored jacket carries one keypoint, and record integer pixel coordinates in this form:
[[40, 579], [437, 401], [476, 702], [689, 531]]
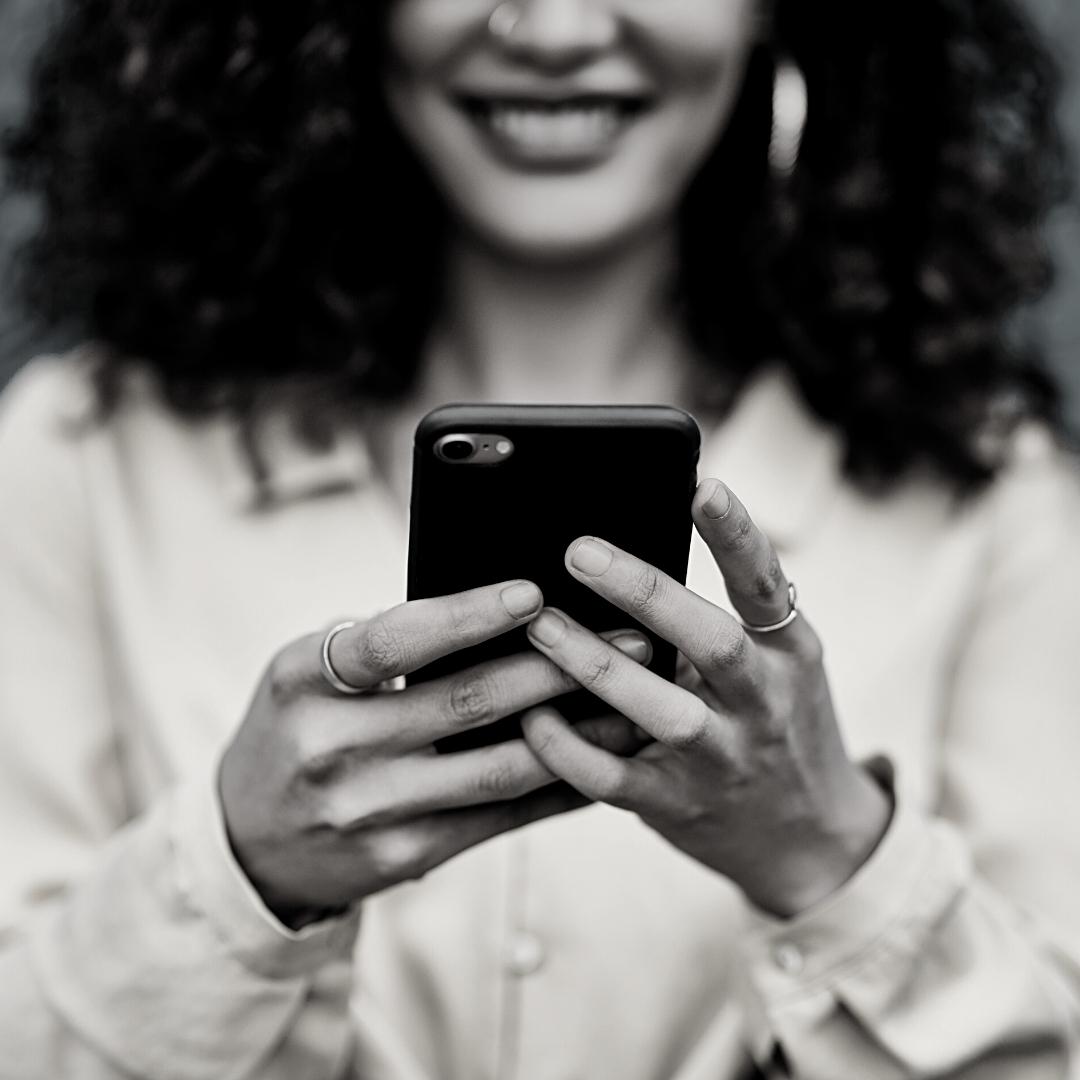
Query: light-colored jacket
[[142, 592]]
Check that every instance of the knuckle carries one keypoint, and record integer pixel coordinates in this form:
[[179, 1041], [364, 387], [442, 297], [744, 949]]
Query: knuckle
[[612, 784], [496, 781], [398, 855], [646, 590], [323, 757], [739, 534], [811, 650], [340, 812], [331, 813], [324, 763], [372, 815], [542, 738], [381, 650], [317, 766], [284, 675], [472, 700], [689, 731], [772, 736], [727, 650], [596, 671], [463, 618], [611, 787], [768, 583], [730, 754]]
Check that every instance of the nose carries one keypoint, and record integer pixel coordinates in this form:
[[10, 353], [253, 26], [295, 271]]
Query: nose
[[559, 33]]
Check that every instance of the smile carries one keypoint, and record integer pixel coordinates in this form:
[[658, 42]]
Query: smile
[[570, 131]]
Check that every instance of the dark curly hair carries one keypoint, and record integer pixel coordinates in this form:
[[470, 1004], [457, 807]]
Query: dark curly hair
[[228, 202]]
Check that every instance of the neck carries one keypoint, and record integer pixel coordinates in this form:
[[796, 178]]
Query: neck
[[595, 331]]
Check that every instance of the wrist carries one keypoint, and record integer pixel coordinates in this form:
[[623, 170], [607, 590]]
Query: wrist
[[836, 848], [215, 886]]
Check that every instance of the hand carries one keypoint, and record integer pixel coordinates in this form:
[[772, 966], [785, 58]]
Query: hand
[[329, 798], [748, 773]]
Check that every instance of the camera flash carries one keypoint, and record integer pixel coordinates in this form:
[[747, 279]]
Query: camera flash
[[502, 447]]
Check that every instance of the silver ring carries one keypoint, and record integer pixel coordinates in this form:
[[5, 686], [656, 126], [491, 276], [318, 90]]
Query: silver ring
[[503, 22], [786, 621], [332, 677]]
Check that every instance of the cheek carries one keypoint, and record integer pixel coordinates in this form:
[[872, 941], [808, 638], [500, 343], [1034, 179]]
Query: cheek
[[701, 52], [700, 46], [424, 36], [426, 41]]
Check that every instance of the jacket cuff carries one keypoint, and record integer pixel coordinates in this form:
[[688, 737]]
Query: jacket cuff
[[214, 884], [880, 915], [161, 959]]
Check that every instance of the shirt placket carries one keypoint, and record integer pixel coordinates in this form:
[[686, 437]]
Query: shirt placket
[[523, 956]]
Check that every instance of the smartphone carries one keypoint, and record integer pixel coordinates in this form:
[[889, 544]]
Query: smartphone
[[500, 491]]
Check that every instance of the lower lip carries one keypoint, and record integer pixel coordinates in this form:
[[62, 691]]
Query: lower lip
[[573, 138]]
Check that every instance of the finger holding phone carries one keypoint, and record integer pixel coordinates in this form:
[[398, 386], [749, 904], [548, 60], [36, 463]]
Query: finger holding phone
[[330, 797], [748, 773]]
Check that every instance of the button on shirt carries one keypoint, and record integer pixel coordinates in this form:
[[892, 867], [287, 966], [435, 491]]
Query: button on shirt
[[788, 957], [526, 954], [144, 587]]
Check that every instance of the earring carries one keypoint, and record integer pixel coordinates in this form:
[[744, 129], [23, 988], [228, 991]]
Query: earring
[[503, 22], [790, 107]]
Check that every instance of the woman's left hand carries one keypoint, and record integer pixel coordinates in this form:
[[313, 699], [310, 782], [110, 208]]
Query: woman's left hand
[[748, 773]]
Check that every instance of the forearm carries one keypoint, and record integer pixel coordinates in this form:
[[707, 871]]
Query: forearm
[[159, 964]]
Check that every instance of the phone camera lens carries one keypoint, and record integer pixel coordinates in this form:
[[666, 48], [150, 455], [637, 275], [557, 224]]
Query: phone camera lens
[[456, 448]]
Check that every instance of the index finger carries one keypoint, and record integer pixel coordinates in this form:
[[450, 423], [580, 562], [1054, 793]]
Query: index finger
[[755, 580], [408, 637]]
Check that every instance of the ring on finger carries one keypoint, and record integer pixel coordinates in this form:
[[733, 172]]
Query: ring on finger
[[332, 677], [786, 621]]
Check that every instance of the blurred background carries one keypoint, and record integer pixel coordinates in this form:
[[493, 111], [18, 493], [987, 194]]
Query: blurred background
[[1055, 323]]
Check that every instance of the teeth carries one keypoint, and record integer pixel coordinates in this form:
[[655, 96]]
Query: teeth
[[567, 128]]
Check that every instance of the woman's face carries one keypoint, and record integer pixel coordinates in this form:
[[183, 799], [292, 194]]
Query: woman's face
[[576, 129]]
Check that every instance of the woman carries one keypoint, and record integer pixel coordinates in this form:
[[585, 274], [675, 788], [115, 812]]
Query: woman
[[292, 232]]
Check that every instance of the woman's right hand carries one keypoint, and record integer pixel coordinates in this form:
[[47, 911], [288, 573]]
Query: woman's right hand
[[329, 798]]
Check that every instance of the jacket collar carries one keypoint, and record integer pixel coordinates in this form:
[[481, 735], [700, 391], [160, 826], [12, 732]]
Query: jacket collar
[[780, 460], [294, 470]]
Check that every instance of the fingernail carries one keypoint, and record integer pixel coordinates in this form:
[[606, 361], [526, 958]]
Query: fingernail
[[591, 557], [632, 645], [522, 599], [718, 503], [547, 628]]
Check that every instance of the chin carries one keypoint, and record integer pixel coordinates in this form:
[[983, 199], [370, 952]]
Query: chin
[[553, 248], [552, 237]]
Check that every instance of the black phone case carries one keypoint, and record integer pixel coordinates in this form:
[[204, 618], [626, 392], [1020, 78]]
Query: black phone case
[[626, 474]]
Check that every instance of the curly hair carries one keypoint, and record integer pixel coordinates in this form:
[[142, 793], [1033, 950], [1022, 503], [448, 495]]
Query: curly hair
[[228, 202]]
